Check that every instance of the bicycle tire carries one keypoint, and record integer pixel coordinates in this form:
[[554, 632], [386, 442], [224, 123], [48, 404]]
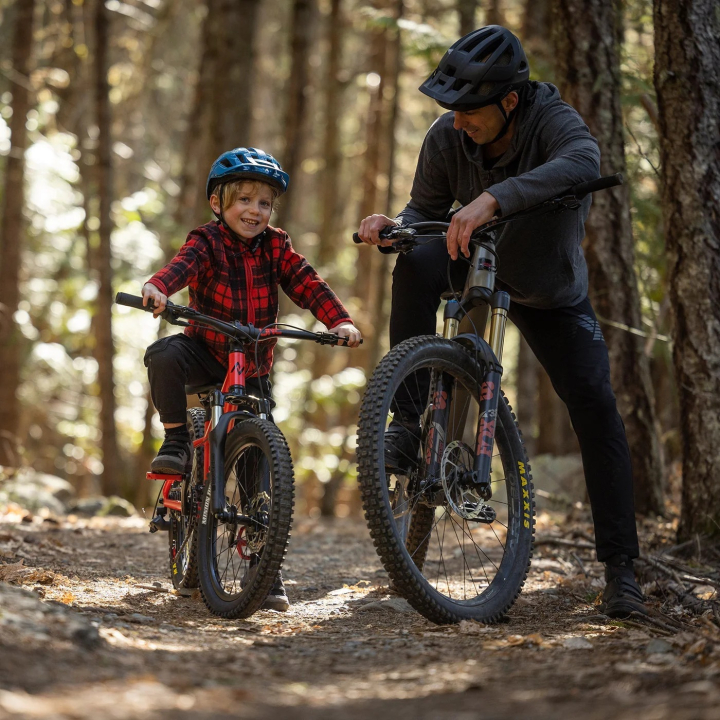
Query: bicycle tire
[[259, 474], [183, 550], [405, 558]]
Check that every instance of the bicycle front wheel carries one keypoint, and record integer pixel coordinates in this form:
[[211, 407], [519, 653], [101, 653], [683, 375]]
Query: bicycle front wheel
[[238, 562], [452, 554]]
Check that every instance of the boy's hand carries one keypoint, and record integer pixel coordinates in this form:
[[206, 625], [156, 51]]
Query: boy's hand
[[349, 331], [150, 292]]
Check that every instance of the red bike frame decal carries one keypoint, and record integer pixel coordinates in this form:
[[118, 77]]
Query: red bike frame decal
[[486, 434], [236, 370]]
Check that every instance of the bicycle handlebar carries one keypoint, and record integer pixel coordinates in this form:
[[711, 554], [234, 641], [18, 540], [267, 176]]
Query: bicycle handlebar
[[577, 193], [237, 331]]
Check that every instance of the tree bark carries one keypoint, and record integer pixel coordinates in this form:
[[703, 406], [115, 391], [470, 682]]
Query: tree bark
[[331, 201], [466, 16], [587, 38], [11, 234], [304, 13], [105, 348], [687, 81]]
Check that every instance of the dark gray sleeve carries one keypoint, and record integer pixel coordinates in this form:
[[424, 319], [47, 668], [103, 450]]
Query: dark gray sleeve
[[572, 156], [431, 197]]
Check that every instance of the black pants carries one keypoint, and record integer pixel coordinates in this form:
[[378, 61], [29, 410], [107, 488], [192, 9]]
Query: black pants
[[570, 346], [176, 361]]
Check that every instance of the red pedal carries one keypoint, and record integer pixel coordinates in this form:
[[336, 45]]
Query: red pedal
[[163, 476]]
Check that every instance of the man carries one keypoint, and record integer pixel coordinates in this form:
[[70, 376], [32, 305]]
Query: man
[[506, 145]]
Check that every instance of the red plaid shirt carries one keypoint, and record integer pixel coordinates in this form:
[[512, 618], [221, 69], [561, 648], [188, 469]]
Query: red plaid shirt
[[230, 281]]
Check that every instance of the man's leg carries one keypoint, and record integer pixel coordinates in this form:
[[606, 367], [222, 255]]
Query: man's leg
[[569, 344]]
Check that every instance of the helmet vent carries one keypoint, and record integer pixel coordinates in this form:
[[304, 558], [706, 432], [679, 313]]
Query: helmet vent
[[225, 162], [504, 60], [459, 84], [487, 49]]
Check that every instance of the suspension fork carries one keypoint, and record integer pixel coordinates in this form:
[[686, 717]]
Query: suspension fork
[[490, 388]]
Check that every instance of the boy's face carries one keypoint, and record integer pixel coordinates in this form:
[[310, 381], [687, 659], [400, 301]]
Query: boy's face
[[249, 215]]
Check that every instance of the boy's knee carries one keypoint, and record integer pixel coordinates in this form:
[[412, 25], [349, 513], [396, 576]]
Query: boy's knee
[[163, 356]]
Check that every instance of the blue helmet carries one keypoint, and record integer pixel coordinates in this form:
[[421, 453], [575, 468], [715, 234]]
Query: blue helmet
[[247, 163]]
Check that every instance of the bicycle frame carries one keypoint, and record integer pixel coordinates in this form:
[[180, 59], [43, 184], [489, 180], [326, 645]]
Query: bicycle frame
[[223, 405]]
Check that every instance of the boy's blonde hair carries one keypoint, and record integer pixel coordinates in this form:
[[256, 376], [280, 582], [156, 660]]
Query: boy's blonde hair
[[233, 189]]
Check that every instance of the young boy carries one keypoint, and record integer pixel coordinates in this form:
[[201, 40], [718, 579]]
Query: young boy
[[233, 267]]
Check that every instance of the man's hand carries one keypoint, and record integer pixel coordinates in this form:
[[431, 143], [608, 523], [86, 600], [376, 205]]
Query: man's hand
[[371, 226], [464, 221], [349, 331], [150, 292]]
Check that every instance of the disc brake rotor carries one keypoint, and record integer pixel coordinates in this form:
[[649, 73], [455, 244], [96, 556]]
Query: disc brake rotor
[[255, 534], [457, 460]]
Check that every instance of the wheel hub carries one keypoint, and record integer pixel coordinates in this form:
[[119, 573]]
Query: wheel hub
[[461, 494]]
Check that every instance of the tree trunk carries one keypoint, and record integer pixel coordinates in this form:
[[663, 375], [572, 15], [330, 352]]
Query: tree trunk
[[587, 39], [304, 14], [11, 234], [466, 16], [494, 14], [687, 81], [555, 432], [192, 179], [331, 201], [105, 349]]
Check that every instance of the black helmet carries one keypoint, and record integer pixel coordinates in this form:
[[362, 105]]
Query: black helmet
[[479, 69]]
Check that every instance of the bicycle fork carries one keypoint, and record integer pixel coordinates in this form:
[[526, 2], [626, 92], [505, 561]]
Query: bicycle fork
[[479, 288]]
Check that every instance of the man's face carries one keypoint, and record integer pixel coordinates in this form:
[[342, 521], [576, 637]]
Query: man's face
[[483, 124]]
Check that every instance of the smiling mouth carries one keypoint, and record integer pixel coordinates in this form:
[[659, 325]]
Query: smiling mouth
[[251, 223]]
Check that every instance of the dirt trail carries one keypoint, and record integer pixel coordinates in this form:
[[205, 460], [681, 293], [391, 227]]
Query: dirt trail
[[98, 645]]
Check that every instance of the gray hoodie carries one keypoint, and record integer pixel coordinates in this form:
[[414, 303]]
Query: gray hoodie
[[541, 262]]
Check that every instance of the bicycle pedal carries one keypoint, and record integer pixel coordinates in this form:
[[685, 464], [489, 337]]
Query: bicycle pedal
[[163, 476]]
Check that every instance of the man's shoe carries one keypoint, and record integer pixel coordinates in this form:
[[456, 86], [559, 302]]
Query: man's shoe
[[622, 595], [402, 442], [174, 457], [277, 598]]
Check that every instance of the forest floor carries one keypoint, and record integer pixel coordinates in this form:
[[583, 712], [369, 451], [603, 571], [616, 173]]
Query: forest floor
[[86, 637]]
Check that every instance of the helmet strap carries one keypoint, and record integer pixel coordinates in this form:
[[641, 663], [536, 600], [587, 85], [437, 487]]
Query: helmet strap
[[508, 119]]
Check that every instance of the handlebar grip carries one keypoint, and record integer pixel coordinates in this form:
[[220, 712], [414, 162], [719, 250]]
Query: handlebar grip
[[356, 239], [134, 301], [583, 189]]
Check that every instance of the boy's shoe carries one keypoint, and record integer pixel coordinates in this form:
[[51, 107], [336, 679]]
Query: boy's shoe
[[402, 442], [622, 595], [174, 456], [277, 598]]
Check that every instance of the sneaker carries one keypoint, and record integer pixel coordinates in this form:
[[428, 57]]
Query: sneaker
[[622, 595], [174, 456], [277, 598], [402, 442]]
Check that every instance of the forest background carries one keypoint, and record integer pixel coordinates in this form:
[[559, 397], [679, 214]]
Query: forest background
[[111, 114]]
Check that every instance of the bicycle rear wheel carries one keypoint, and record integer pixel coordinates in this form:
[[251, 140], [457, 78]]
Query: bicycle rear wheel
[[238, 563], [453, 555], [183, 525]]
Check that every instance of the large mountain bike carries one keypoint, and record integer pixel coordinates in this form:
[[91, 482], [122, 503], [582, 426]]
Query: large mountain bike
[[228, 519], [445, 479]]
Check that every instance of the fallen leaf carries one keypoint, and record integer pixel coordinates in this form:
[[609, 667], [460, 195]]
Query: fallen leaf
[[67, 598]]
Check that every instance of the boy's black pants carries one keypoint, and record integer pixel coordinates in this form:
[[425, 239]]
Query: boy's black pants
[[176, 361], [570, 346]]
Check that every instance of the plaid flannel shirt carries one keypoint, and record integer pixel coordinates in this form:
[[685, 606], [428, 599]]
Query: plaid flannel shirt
[[230, 281]]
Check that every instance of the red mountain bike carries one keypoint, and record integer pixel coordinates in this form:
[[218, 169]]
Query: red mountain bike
[[453, 519], [228, 520]]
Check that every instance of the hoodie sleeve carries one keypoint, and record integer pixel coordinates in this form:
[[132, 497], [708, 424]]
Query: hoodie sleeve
[[572, 156], [191, 260], [431, 196]]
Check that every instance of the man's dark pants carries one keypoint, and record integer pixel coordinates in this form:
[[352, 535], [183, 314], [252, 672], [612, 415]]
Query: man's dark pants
[[569, 344]]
